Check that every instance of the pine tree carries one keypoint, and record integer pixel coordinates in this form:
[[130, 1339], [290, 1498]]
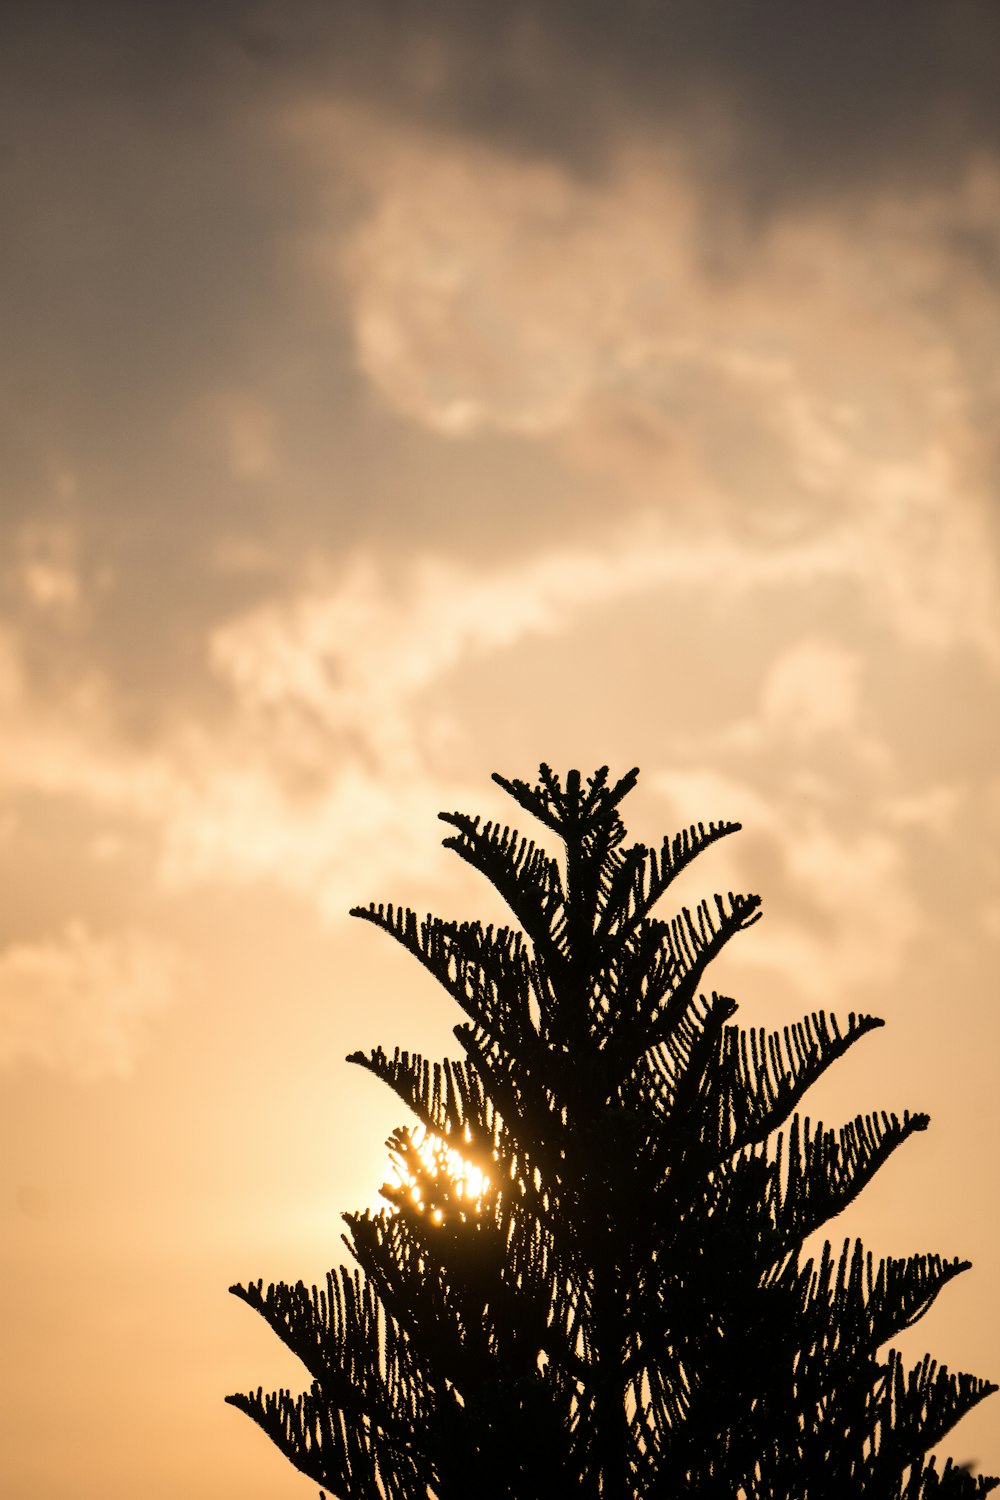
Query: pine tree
[[622, 1307]]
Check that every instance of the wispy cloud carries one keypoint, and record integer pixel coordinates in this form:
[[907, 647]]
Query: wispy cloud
[[342, 728], [841, 910]]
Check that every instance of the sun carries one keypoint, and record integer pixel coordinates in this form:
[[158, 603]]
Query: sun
[[432, 1176]]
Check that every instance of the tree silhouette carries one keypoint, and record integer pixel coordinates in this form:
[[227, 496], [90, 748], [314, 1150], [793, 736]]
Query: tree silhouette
[[624, 1309]]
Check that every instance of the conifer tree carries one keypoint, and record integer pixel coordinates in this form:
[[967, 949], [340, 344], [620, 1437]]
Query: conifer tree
[[621, 1307]]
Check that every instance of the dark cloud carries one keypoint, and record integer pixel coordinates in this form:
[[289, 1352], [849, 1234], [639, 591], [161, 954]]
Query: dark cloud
[[816, 96], [145, 199], [135, 222], [776, 100], [148, 207]]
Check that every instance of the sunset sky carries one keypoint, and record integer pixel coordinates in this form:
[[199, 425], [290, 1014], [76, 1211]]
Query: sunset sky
[[395, 393]]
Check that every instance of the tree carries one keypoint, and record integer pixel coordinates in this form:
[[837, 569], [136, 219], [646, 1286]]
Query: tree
[[624, 1308]]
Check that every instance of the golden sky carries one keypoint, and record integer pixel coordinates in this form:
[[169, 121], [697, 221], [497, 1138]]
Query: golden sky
[[393, 393]]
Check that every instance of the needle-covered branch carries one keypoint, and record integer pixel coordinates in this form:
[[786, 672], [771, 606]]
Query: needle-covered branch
[[592, 1276]]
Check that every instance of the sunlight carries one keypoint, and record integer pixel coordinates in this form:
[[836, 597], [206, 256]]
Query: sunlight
[[433, 1176]]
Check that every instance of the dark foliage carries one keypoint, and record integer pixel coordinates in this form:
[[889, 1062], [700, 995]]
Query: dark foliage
[[625, 1310]]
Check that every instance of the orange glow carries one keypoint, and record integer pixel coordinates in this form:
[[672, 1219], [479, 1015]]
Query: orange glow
[[431, 1173], [379, 417]]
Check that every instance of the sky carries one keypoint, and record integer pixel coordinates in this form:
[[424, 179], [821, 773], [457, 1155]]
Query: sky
[[395, 393]]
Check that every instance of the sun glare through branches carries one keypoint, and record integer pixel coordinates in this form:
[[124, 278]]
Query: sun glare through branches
[[432, 1176]]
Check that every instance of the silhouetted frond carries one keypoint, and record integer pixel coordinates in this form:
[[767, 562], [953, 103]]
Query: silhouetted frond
[[487, 972], [761, 1075], [811, 1174], [855, 1304], [641, 876], [953, 1482]]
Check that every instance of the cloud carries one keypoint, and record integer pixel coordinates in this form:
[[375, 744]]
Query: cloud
[[340, 729], [305, 283], [790, 110], [247, 427], [829, 384], [49, 573], [812, 702], [812, 690], [866, 833], [80, 1003], [464, 315], [841, 911], [737, 411], [346, 728], [801, 104]]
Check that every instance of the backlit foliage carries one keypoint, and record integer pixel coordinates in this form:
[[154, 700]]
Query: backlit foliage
[[590, 1279]]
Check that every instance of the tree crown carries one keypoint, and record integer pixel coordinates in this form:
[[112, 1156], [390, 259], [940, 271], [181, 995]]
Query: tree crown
[[619, 1304]]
